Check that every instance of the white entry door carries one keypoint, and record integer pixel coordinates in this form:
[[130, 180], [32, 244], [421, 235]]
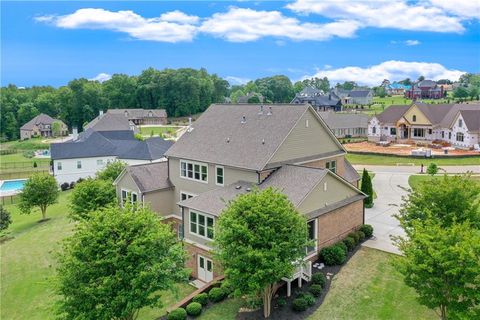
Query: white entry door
[[205, 269]]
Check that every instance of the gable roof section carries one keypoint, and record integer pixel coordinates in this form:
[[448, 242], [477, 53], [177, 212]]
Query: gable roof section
[[447, 121], [149, 177], [359, 93], [139, 113], [336, 120], [109, 122], [392, 114], [435, 113], [472, 119], [42, 118], [220, 137]]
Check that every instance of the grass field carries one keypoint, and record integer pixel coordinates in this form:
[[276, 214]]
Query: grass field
[[224, 310], [158, 130], [28, 266], [369, 287], [415, 180], [392, 160], [30, 144]]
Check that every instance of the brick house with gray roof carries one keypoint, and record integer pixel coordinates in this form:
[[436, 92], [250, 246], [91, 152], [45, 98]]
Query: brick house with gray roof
[[42, 126]]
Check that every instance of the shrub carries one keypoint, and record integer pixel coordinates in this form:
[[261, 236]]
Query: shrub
[[177, 314], [35, 164], [64, 186], [367, 230], [5, 219], [201, 298], [342, 245], [355, 237], [300, 304], [28, 154], [216, 294], [310, 299], [333, 255], [319, 278], [72, 185], [253, 302], [194, 309], [316, 290], [227, 288], [80, 180], [361, 235], [350, 243], [281, 302]]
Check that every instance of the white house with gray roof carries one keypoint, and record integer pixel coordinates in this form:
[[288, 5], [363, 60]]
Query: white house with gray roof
[[346, 125], [231, 149]]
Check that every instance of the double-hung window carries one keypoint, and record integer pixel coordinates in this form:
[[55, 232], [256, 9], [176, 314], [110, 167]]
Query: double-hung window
[[59, 166], [129, 196], [201, 225], [219, 175], [460, 137], [194, 171], [332, 166], [79, 164]]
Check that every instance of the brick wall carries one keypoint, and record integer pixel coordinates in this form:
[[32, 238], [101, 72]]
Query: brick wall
[[192, 260]]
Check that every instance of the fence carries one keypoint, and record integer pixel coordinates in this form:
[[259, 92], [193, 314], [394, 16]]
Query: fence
[[20, 174], [41, 163], [8, 151], [9, 199]]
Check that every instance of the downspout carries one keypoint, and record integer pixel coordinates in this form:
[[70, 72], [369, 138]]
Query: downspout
[[183, 225]]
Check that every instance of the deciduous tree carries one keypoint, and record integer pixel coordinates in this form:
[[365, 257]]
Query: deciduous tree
[[41, 191], [111, 171], [91, 195], [5, 219]]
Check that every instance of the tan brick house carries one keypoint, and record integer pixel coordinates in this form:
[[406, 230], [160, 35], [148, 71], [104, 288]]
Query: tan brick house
[[231, 149]]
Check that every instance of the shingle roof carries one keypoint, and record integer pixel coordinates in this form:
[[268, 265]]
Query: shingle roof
[[336, 120], [220, 137], [309, 91], [109, 122], [296, 182], [42, 118], [359, 93], [150, 176], [318, 100], [121, 144], [426, 83], [392, 114], [139, 113], [472, 119]]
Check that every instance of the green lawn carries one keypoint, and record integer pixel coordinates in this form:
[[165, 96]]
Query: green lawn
[[224, 310], [144, 130], [369, 287], [415, 180], [29, 144], [28, 265], [392, 160]]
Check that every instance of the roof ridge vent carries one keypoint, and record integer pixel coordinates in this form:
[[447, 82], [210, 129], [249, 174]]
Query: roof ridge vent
[[261, 110], [248, 189], [238, 187], [244, 120], [269, 113], [228, 139], [263, 141]]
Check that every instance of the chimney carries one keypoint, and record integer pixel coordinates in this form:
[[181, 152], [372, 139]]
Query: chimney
[[261, 110], [75, 133], [269, 113], [244, 120], [189, 129], [100, 113]]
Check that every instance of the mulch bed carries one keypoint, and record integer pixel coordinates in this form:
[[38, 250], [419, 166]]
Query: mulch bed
[[286, 312]]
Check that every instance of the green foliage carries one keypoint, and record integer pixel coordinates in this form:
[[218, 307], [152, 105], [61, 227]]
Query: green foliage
[[333, 255], [216, 294], [367, 230], [281, 302], [309, 298], [432, 169], [35, 164], [355, 237], [177, 314], [5, 219], [367, 188], [138, 136], [116, 263], [91, 195], [252, 264], [56, 128], [201, 298], [343, 246], [319, 278], [361, 235], [254, 99], [460, 92], [300, 304], [227, 287], [194, 309], [41, 191], [450, 199], [347, 85], [350, 243], [318, 83], [316, 290], [28, 154], [111, 171], [64, 186], [276, 89]]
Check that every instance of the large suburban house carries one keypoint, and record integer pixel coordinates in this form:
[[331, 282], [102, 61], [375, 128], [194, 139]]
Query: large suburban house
[[318, 99], [425, 89], [355, 96], [142, 117], [42, 126], [455, 124], [232, 149], [106, 139], [346, 125]]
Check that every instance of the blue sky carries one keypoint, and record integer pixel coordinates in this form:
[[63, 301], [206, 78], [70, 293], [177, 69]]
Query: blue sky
[[50, 43]]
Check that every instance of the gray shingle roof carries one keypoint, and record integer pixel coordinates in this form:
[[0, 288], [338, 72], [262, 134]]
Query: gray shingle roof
[[42, 118], [351, 175], [336, 120], [295, 182], [139, 113], [110, 143], [359, 93], [426, 83], [392, 114], [109, 122], [220, 137], [472, 119], [150, 176]]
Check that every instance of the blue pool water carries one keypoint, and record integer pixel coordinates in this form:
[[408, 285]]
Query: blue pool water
[[12, 185]]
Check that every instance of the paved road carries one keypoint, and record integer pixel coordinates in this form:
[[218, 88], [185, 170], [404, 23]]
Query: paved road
[[390, 183]]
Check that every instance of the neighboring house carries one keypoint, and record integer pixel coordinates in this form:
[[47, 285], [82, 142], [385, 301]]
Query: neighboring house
[[101, 144], [228, 151], [425, 89], [110, 122], [143, 117], [346, 125], [319, 100], [456, 124], [42, 126], [355, 96], [397, 88], [248, 96]]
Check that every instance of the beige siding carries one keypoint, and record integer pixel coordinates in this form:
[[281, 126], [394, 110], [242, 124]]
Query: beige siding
[[231, 175], [160, 201], [126, 183], [322, 164], [421, 118], [306, 141], [336, 191]]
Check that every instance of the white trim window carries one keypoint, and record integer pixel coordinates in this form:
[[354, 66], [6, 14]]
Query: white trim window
[[194, 171], [201, 225], [186, 195], [312, 235], [127, 195], [332, 166], [79, 164], [99, 162], [59, 166], [219, 175], [460, 137]]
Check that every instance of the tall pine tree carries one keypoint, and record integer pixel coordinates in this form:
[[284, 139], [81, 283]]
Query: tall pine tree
[[367, 188]]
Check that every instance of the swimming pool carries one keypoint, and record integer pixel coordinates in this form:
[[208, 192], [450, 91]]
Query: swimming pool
[[12, 186]]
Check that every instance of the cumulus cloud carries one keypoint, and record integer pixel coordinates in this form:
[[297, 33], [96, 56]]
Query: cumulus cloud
[[101, 77], [467, 9], [392, 70], [394, 14], [412, 42], [243, 24], [172, 26]]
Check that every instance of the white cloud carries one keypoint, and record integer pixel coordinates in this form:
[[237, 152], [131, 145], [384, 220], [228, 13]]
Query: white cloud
[[236, 80], [392, 70], [101, 77], [241, 25], [463, 8], [395, 14], [170, 27], [412, 42]]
